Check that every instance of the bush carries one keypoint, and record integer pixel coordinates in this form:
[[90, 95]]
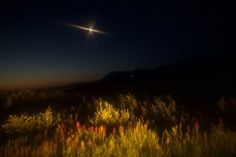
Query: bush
[[109, 115], [25, 123]]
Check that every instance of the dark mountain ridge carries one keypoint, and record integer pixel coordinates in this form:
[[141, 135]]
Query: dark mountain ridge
[[194, 69], [195, 80]]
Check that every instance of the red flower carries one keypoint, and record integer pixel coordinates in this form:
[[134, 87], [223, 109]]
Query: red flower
[[197, 125], [121, 129], [102, 130], [78, 127], [61, 129], [114, 131]]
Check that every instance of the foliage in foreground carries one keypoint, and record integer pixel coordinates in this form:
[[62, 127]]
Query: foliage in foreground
[[128, 129], [133, 140]]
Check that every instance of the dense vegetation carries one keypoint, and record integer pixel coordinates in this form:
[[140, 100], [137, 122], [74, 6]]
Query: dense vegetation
[[55, 123]]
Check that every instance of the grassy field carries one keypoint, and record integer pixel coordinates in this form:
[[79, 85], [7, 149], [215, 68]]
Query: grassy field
[[55, 123]]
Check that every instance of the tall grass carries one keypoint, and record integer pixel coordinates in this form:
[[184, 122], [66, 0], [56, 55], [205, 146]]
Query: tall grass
[[135, 140], [128, 127]]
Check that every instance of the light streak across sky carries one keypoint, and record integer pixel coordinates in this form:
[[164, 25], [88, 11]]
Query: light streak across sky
[[90, 29]]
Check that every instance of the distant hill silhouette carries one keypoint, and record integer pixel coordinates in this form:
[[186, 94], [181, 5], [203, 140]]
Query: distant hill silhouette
[[197, 68], [195, 80], [217, 73]]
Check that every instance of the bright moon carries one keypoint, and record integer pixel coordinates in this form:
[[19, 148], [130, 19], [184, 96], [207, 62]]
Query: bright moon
[[89, 29]]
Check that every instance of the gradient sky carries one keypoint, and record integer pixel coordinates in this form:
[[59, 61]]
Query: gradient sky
[[37, 49]]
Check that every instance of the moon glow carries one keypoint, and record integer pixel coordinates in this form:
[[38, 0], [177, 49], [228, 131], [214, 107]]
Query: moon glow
[[89, 29]]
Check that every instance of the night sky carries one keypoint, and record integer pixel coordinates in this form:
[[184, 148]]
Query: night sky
[[37, 49]]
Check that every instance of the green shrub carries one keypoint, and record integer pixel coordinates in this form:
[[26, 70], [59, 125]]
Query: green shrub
[[108, 114], [26, 123]]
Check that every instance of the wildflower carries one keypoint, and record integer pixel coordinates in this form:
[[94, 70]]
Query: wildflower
[[78, 127], [61, 129], [197, 125], [73, 136], [68, 140], [96, 129], [121, 129], [114, 131], [103, 131]]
